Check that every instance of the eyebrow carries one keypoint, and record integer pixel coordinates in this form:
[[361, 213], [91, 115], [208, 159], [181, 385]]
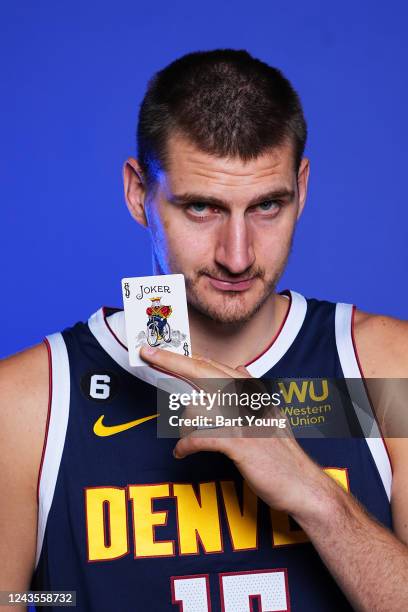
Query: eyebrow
[[190, 198]]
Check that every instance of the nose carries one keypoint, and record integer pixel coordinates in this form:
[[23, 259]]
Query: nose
[[234, 249]]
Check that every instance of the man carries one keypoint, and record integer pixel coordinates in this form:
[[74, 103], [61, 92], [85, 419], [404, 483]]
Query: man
[[226, 523]]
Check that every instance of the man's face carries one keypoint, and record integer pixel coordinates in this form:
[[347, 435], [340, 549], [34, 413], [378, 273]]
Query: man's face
[[227, 225]]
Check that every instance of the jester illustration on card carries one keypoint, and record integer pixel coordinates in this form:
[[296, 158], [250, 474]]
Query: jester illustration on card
[[158, 328], [156, 313]]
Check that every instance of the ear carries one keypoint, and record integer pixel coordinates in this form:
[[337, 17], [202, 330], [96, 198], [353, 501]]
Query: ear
[[135, 190], [302, 180]]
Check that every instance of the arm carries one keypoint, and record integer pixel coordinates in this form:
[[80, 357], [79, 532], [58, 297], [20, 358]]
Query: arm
[[23, 414], [369, 562]]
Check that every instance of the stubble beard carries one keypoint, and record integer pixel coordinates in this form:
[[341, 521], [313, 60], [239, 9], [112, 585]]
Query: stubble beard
[[230, 308]]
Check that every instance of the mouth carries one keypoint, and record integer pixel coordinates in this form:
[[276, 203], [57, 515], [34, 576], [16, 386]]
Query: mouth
[[223, 285]]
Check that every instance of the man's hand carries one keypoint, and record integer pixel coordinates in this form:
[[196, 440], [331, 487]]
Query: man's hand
[[275, 466]]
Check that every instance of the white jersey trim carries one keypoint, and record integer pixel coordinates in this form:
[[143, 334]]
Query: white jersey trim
[[111, 335], [55, 436], [285, 338], [112, 341], [362, 406]]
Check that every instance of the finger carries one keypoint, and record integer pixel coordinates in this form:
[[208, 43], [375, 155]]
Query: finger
[[187, 367], [225, 368], [242, 369], [202, 440]]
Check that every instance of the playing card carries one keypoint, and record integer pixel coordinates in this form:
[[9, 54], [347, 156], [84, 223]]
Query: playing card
[[156, 314]]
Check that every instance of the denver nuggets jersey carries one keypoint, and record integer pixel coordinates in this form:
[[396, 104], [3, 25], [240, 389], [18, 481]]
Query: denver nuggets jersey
[[130, 528]]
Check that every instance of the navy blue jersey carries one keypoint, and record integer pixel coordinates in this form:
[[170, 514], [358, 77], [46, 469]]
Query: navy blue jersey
[[130, 528]]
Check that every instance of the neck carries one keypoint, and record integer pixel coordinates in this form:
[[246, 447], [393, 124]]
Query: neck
[[240, 344]]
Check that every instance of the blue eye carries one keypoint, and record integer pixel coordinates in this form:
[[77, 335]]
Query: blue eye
[[198, 207], [268, 205]]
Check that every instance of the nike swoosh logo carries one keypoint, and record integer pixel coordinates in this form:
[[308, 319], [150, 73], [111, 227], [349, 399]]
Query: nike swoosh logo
[[110, 430]]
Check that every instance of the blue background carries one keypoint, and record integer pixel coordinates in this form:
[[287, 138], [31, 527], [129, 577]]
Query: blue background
[[73, 76]]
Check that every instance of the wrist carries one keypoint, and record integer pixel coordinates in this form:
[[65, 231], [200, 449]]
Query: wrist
[[320, 503]]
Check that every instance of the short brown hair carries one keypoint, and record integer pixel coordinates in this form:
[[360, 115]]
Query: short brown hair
[[226, 102]]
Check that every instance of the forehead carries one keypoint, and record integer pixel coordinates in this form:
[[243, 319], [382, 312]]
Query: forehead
[[190, 169]]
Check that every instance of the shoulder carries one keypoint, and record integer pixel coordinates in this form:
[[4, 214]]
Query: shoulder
[[24, 372], [382, 349], [24, 391], [381, 344]]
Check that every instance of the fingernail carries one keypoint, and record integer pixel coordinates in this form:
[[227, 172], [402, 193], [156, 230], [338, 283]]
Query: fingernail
[[175, 455], [148, 350]]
